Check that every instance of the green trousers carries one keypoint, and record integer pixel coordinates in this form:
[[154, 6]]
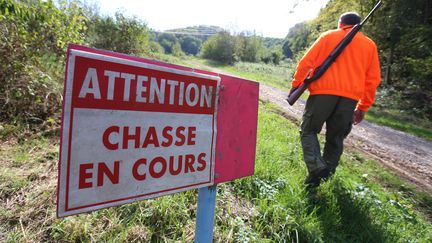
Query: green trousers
[[337, 113]]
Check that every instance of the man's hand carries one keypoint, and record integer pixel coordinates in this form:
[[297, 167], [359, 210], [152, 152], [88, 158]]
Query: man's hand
[[358, 116]]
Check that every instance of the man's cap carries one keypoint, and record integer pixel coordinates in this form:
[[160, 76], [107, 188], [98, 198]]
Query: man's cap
[[350, 18]]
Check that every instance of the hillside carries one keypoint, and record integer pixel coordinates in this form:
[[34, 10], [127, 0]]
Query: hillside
[[201, 31]]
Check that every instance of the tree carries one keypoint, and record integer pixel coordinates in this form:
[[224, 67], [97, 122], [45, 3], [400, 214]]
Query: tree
[[167, 41], [220, 47], [119, 34], [155, 47], [33, 40], [287, 50], [298, 37], [191, 45], [252, 50], [177, 50]]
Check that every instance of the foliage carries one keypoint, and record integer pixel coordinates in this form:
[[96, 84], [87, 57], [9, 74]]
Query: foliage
[[297, 39], [190, 38], [248, 48], [190, 45], [228, 49], [167, 41], [287, 50], [120, 34], [274, 56], [271, 42], [201, 32], [220, 47], [176, 50], [33, 38], [155, 47]]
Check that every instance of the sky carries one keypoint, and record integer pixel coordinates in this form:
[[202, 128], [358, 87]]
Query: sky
[[269, 18]]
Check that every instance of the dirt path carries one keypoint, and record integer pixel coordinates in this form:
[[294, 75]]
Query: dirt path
[[409, 156]]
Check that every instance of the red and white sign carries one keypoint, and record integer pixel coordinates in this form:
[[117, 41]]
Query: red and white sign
[[133, 130]]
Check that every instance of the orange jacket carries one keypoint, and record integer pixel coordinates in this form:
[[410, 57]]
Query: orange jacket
[[355, 74]]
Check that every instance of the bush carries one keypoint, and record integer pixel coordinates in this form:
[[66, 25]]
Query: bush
[[190, 45], [220, 48], [228, 49], [156, 47], [167, 41], [33, 40], [120, 34], [177, 50]]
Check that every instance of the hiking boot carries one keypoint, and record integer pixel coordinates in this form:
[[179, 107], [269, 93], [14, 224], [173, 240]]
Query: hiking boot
[[330, 173], [314, 179]]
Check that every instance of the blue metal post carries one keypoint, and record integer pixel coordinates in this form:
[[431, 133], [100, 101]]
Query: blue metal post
[[205, 214]]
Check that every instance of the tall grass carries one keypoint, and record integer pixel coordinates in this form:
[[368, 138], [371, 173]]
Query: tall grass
[[279, 76]]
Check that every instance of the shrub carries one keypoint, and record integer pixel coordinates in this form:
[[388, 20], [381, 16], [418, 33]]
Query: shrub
[[120, 34], [33, 39]]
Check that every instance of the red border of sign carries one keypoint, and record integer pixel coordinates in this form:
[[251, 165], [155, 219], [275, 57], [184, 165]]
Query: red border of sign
[[182, 70]]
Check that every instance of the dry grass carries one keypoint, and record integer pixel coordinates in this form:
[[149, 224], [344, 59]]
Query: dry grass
[[27, 191]]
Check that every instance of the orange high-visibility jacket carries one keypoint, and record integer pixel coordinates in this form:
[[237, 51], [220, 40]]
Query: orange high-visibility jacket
[[355, 74]]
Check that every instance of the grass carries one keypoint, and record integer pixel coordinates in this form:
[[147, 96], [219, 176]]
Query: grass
[[363, 202], [400, 121], [278, 76]]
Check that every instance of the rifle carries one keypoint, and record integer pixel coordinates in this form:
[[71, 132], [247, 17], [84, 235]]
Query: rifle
[[297, 92]]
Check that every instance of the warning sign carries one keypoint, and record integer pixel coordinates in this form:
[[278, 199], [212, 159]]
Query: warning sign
[[133, 130]]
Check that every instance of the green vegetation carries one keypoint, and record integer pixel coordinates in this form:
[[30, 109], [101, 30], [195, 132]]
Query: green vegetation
[[278, 76], [119, 34], [33, 38], [228, 49], [297, 39], [400, 121], [190, 38], [363, 202]]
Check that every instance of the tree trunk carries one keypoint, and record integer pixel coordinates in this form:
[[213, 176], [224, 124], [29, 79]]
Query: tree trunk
[[387, 76], [428, 11]]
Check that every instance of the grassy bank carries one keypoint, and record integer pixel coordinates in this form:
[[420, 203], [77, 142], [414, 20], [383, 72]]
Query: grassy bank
[[363, 202], [278, 76], [402, 122]]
